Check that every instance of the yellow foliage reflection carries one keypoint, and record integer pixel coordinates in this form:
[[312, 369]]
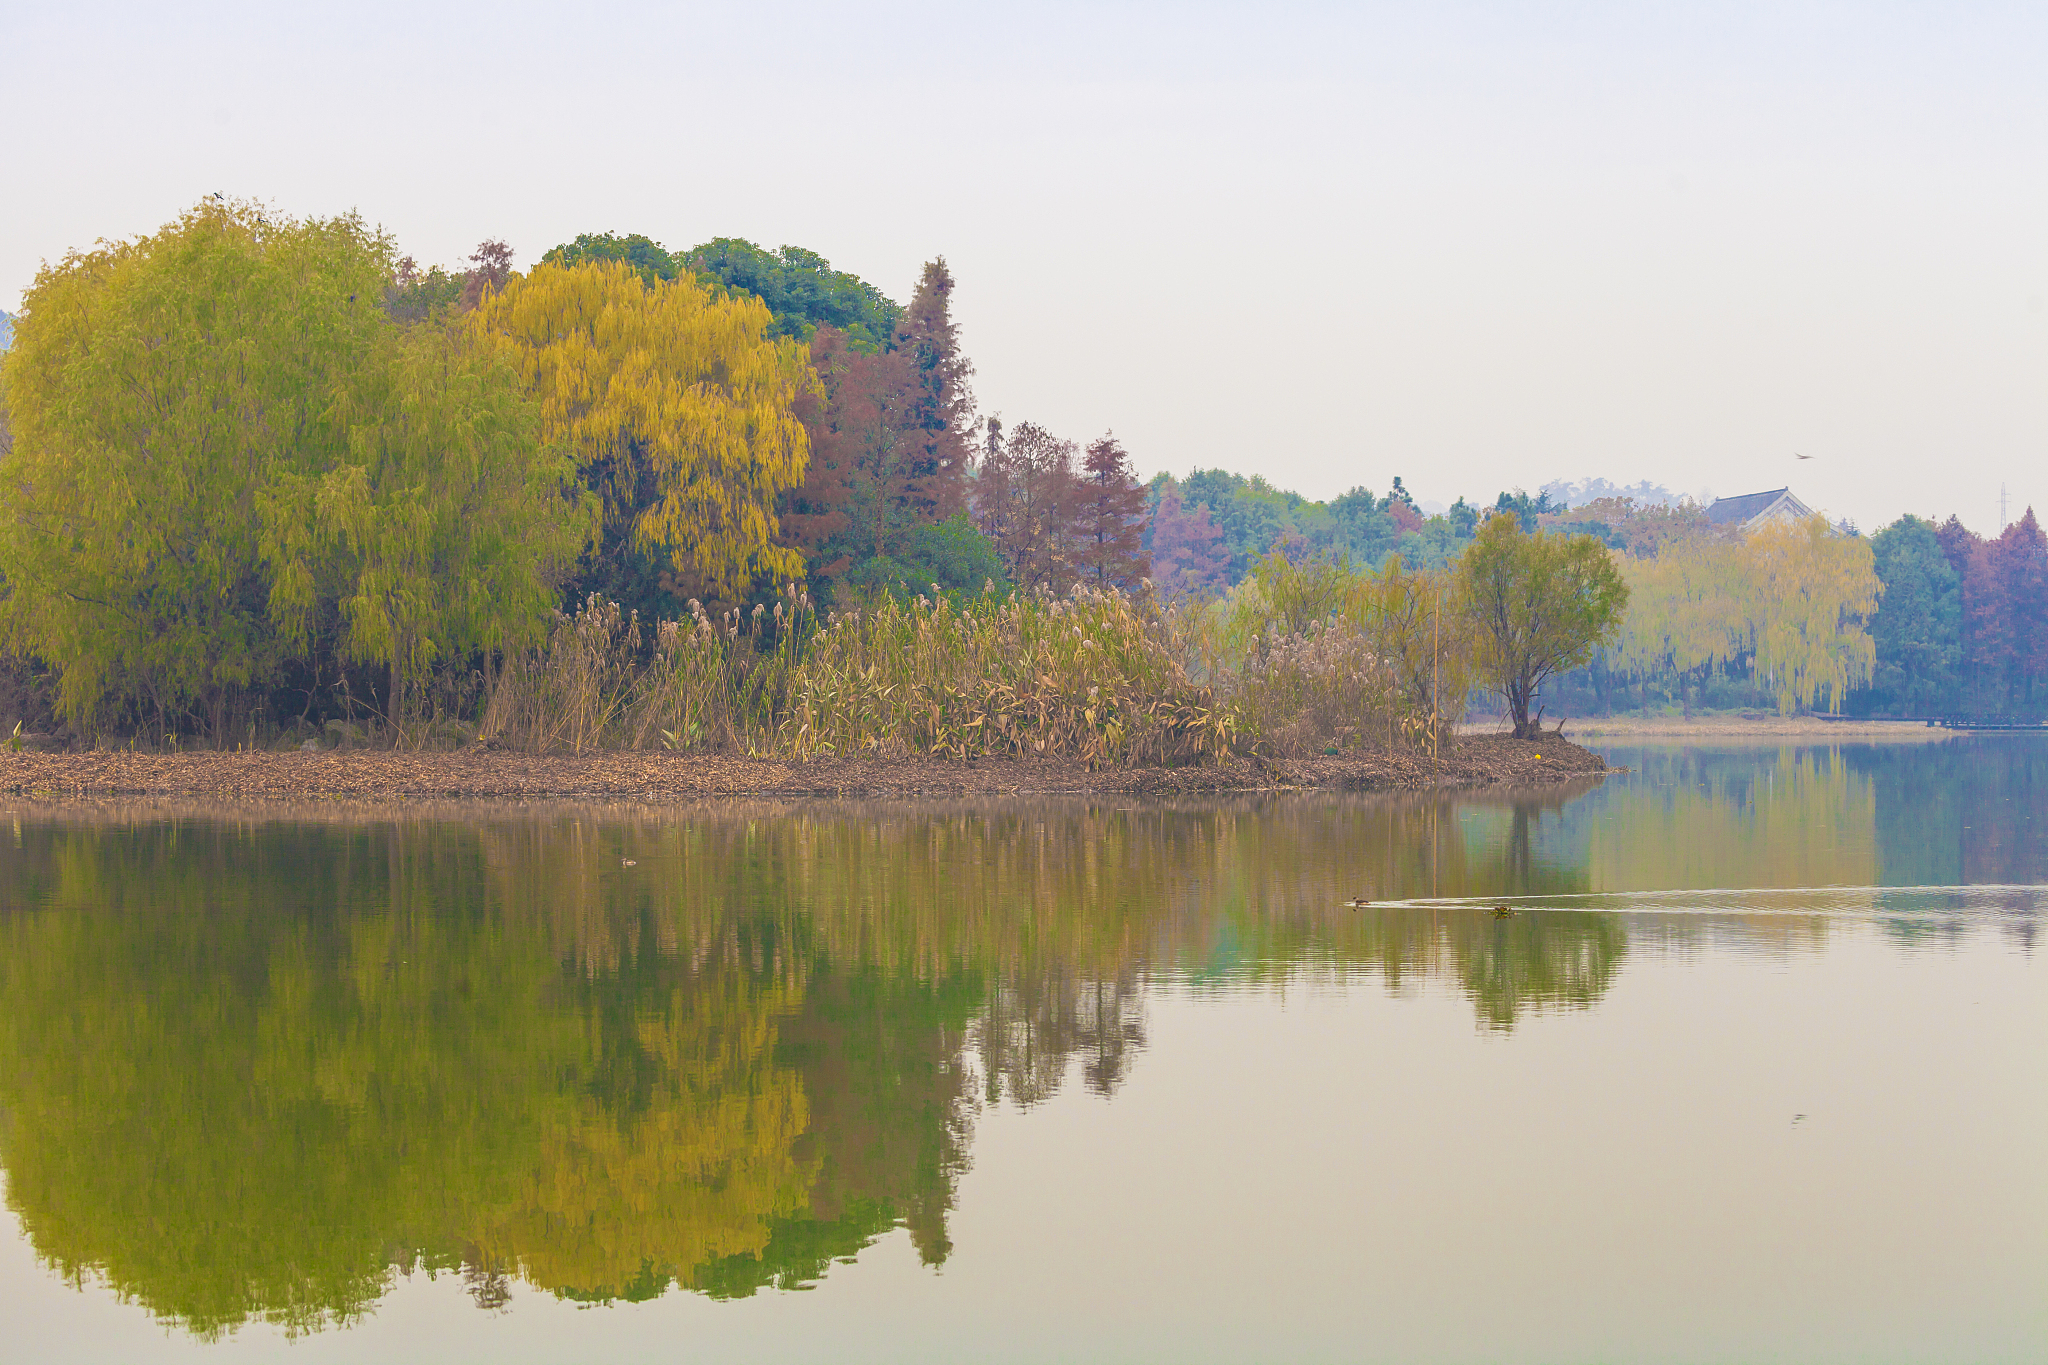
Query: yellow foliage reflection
[[255, 1070]]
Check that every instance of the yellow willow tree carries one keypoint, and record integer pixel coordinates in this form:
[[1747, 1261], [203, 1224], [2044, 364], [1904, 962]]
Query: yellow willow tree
[[1810, 587], [160, 391], [677, 406], [443, 527], [1686, 612], [231, 464]]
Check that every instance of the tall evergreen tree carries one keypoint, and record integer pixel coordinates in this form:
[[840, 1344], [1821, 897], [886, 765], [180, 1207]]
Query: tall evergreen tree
[[940, 411]]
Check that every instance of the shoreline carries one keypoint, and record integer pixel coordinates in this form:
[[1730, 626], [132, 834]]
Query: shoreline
[[1468, 763], [1708, 728]]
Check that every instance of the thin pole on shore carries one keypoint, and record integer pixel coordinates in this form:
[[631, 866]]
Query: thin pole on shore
[[1436, 637]]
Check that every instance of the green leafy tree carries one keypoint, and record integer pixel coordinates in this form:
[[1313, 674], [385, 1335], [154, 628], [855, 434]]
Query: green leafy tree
[[951, 555], [651, 261], [1525, 508], [1919, 621], [162, 392], [446, 519], [801, 289], [1364, 530], [1538, 605], [231, 459]]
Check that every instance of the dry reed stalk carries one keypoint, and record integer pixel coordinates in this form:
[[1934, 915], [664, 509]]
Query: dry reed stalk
[[1106, 677]]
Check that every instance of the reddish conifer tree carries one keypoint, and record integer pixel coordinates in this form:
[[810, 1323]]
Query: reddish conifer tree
[[1024, 503], [1958, 543], [866, 485], [490, 267], [1108, 518], [993, 491], [813, 515], [2011, 609], [939, 413], [1188, 555]]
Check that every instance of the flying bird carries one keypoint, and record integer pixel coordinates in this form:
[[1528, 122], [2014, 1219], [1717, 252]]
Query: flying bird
[[1798, 456]]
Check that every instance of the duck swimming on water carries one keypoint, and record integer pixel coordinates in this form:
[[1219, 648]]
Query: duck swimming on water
[[1503, 912], [1357, 903]]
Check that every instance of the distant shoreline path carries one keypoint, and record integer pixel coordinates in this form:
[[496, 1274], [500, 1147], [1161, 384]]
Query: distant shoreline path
[[1801, 729], [1481, 761]]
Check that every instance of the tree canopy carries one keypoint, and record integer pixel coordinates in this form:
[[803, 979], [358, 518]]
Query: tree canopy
[[228, 458], [801, 289], [1809, 588], [1918, 626], [678, 406], [1538, 605]]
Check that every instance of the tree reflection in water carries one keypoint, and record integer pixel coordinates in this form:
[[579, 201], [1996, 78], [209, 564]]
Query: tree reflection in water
[[256, 1069]]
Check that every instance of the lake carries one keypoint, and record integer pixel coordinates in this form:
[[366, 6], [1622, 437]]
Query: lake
[[1754, 1066]]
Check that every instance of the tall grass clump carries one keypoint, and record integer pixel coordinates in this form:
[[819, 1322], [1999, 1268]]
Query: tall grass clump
[[707, 683], [1101, 676], [1300, 659], [1326, 652], [1325, 686]]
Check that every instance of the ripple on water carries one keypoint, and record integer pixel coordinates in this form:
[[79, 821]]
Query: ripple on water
[[1889, 902]]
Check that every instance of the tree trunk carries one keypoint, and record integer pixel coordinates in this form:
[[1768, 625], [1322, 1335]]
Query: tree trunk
[[397, 699]]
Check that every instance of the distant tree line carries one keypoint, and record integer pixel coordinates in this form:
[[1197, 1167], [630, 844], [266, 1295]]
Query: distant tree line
[[1963, 624], [1923, 619]]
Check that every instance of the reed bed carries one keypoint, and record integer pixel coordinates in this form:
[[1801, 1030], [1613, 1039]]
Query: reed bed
[[704, 684], [1111, 678], [1102, 676]]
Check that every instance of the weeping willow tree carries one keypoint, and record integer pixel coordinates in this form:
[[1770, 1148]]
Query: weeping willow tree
[[677, 405], [160, 391], [229, 460], [1810, 589], [1686, 616], [1790, 600], [447, 516]]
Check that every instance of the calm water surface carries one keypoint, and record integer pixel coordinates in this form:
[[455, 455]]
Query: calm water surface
[[1758, 1070]]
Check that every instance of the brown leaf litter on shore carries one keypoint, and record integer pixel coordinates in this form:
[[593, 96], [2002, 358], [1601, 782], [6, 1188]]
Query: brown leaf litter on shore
[[1492, 760]]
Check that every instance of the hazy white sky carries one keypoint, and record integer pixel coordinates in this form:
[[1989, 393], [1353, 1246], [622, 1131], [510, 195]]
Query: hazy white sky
[[1476, 245]]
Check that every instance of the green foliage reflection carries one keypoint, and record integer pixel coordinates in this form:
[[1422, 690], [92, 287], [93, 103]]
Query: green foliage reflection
[[257, 1071]]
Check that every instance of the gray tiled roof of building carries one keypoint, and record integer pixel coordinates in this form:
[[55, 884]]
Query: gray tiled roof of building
[[1737, 510]]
